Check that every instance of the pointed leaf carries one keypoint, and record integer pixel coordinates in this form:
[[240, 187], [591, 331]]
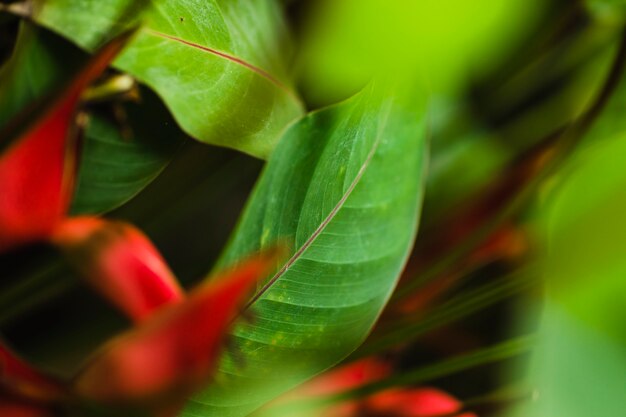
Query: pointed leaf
[[220, 66], [344, 189], [120, 262], [168, 356], [35, 199], [37, 161]]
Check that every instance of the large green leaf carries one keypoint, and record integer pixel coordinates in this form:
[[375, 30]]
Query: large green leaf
[[219, 65], [343, 188], [112, 168]]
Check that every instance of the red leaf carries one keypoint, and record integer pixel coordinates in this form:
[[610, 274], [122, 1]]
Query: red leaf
[[120, 262], [174, 352], [37, 167]]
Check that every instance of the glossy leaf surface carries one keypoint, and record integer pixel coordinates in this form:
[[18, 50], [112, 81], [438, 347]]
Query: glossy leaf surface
[[343, 188], [220, 66]]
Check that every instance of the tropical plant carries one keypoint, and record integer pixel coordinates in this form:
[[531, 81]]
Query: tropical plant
[[292, 148]]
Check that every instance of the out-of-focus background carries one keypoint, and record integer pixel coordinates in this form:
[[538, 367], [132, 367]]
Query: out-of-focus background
[[522, 229]]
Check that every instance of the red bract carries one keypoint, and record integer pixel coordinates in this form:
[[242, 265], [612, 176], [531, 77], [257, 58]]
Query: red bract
[[346, 377], [155, 366], [120, 262], [174, 352], [414, 402], [400, 402], [336, 381], [37, 167], [33, 200]]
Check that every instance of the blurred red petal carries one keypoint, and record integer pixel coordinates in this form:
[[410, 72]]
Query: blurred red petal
[[120, 262], [345, 377], [14, 408], [19, 378], [37, 167], [413, 402], [401, 402], [174, 352], [336, 381]]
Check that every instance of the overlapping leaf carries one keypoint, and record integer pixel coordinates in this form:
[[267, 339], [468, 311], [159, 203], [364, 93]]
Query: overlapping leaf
[[343, 188], [220, 66]]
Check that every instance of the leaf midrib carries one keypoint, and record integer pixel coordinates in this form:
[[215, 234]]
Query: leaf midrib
[[331, 215], [229, 57]]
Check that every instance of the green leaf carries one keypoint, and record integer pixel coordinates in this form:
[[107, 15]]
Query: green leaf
[[582, 337], [343, 188], [112, 168], [421, 375], [610, 122], [220, 66], [344, 42], [608, 11]]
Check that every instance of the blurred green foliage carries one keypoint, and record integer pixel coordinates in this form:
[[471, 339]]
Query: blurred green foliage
[[442, 43], [579, 368]]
